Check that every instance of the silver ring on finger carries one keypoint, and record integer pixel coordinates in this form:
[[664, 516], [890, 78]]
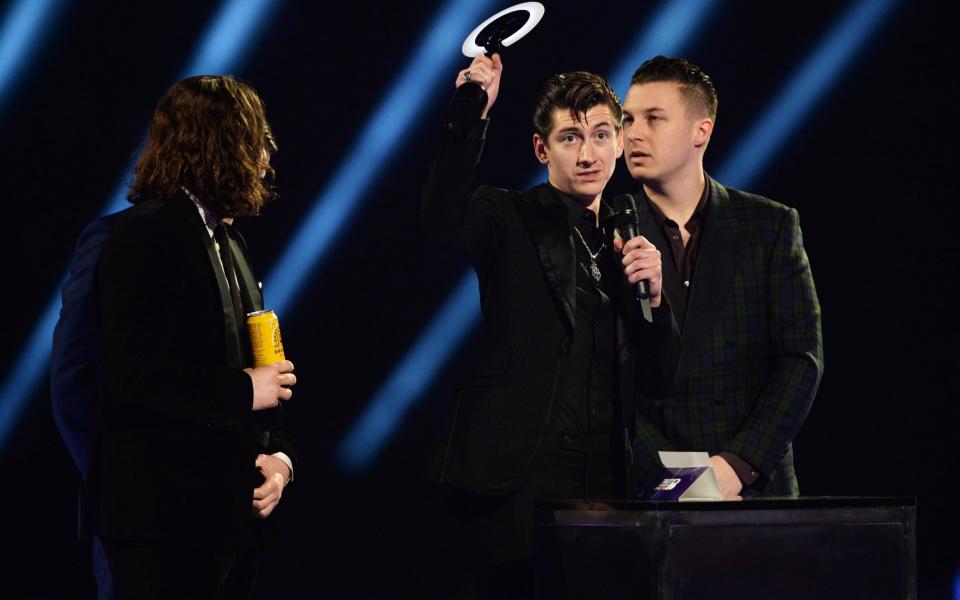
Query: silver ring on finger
[[467, 75]]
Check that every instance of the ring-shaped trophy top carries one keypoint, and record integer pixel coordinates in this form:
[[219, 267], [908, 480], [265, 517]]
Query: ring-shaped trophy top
[[535, 11]]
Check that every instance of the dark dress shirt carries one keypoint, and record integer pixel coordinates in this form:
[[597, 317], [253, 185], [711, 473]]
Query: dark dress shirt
[[683, 256], [586, 411]]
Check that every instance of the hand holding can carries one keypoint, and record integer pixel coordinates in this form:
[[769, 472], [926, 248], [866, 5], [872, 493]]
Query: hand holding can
[[271, 384]]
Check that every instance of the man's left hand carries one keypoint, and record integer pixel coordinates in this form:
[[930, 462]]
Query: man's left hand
[[267, 496], [730, 484]]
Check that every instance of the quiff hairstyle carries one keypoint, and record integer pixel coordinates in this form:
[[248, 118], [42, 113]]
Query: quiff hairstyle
[[696, 88], [577, 91], [208, 134]]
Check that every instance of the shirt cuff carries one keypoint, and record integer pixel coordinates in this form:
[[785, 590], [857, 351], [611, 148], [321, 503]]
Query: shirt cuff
[[286, 460], [744, 470]]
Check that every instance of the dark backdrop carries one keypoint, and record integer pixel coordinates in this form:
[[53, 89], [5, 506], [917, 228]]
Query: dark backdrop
[[870, 170]]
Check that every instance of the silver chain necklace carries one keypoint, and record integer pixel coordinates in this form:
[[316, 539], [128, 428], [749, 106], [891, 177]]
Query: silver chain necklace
[[594, 269]]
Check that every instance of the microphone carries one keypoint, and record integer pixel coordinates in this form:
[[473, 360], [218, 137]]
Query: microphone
[[625, 213]]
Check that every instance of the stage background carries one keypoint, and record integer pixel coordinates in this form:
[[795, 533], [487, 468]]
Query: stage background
[[869, 163]]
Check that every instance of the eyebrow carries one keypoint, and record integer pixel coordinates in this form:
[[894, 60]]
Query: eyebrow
[[574, 129], [646, 110], [566, 130]]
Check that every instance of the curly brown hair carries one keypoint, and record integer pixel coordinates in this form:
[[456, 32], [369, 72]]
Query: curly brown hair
[[208, 134]]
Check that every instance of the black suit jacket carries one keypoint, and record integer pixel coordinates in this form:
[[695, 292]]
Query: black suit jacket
[[179, 439], [752, 349], [522, 249]]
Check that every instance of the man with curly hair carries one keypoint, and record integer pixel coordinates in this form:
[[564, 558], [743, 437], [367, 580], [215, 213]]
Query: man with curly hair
[[190, 446]]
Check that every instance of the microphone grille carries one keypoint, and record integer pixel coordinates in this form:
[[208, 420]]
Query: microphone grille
[[624, 203]]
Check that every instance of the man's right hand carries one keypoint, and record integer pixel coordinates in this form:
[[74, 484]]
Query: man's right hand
[[641, 260], [486, 72], [268, 382]]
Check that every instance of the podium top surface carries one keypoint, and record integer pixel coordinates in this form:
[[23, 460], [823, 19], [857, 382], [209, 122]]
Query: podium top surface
[[749, 503]]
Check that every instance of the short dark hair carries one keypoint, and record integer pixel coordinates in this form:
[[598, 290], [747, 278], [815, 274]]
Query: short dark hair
[[696, 88], [208, 134], [578, 91]]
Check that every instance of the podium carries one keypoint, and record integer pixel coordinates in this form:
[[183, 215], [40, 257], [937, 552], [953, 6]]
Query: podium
[[776, 548]]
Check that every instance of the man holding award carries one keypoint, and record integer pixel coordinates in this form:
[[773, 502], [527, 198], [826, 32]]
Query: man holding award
[[191, 447], [545, 408]]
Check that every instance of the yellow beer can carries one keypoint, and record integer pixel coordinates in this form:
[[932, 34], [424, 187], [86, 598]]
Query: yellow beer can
[[265, 341]]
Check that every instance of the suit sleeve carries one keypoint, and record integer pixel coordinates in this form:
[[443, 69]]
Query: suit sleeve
[[658, 347], [794, 314], [452, 213], [73, 367], [147, 368], [274, 434], [659, 354]]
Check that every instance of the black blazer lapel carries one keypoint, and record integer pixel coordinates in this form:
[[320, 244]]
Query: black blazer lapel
[[249, 286], [545, 217], [188, 210], [717, 265]]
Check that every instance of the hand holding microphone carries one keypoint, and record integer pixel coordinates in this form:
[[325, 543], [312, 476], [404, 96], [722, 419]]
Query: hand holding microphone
[[641, 260]]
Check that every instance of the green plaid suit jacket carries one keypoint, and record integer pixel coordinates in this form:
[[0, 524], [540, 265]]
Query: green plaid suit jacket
[[752, 352]]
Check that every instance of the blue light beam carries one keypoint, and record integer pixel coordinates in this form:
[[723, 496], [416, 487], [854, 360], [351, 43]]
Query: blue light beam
[[22, 380], [667, 33], [229, 37], [361, 445], [383, 132], [22, 30], [811, 82]]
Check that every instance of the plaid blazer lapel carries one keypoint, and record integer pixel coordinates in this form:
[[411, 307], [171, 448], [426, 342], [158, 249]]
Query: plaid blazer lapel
[[716, 269]]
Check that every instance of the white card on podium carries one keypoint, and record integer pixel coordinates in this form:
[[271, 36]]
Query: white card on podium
[[704, 486]]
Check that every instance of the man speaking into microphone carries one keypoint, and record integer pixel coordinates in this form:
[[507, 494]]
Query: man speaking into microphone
[[545, 407]]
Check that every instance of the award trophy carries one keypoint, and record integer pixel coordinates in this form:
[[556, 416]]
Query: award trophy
[[492, 36]]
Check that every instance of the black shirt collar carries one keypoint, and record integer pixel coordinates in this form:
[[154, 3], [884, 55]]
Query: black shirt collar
[[699, 213], [579, 215]]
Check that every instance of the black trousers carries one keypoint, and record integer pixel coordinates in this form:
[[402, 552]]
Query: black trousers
[[497, 532], [184, 568]]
